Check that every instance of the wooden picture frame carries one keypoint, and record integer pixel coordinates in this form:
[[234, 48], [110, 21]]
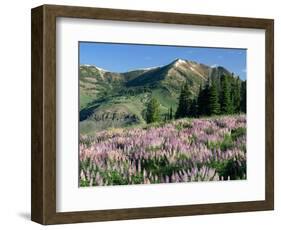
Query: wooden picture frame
[[43, 202]]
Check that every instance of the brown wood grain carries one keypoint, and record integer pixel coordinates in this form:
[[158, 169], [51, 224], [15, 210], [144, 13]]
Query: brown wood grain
[[269, 114], [37, 116], [43, 170]]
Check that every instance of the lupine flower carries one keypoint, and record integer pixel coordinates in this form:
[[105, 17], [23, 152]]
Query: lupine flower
[[181, 151]]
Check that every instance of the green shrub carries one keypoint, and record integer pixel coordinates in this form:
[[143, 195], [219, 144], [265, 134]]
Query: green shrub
[[232, 169], [183, 125], [154, 125], [114, 178], [137, 179], [209, 131], [227, 143], [213, 145], [238, 132], [84, 183]]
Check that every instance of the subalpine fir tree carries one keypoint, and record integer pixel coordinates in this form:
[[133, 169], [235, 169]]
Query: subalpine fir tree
[[214, 105], [200, 101], [193, 111], [225, 99], [153, 111], [203, 100], [184, 102], [243, 102], [236, 95], [171, 113]]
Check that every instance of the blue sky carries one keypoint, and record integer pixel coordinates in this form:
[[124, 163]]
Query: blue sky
[[123, 57]]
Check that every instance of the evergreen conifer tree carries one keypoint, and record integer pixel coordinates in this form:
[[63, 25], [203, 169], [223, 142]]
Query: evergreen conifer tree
[[171, 113], [243, 103], [214, 101], [153, 111], [184, 102], [200, 101], [203, 100], [193, 112], [236, 95], [225, 100]]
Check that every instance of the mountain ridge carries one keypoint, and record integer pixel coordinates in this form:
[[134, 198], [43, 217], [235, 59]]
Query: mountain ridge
[[177, 60], [111, 99]]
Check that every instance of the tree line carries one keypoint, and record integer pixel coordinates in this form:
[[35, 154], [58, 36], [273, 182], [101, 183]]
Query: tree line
[[223, 96]]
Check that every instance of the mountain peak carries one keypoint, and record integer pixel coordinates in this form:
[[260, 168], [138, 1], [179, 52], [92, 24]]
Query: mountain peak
[[180, 61], [94, 66], [177, 62]]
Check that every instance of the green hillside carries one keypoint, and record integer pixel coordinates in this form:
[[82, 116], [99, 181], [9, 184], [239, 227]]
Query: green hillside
[[112, 100]]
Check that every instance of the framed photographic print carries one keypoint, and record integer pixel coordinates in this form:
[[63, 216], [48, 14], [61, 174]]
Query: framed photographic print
[[140, 114]]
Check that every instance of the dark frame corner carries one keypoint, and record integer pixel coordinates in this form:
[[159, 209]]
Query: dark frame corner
[[43, 159]]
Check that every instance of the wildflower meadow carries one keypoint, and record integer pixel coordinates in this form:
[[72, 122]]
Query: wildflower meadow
[[183, 150]]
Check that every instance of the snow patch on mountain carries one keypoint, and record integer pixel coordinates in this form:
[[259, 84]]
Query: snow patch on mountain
[[179, 62], [101, 69], [148, 68], [98, 68]]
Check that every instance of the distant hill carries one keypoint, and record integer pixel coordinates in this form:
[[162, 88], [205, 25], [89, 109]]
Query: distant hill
[[109, 99]]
